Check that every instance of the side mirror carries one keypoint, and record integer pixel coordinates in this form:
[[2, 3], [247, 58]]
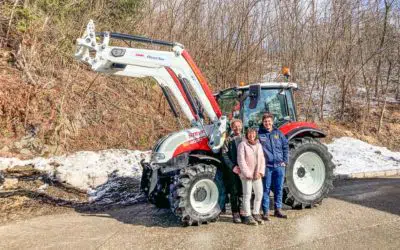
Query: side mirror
[[216, 96], [254, 95]]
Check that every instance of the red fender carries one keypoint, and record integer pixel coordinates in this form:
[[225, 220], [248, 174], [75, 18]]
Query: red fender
[[293, 129]]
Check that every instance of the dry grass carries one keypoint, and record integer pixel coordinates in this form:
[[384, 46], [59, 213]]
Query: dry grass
[[80, 110], [388, 137], [45, 92]]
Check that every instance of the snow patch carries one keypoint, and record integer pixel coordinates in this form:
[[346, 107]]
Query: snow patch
[[86, 170], [331, 94], [351, 155]]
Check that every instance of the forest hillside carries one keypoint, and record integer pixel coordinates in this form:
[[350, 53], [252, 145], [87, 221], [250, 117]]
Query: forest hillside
[[345, 56]]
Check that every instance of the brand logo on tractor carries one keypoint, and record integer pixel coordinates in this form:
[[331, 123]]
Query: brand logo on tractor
[[197, 134], [155, 58], [195, 140]]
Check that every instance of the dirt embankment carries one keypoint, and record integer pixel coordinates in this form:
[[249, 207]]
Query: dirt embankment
[[389, 135], [78, 110]]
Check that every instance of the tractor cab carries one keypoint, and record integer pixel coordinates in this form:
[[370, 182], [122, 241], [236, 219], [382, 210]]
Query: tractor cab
[[249, 103]]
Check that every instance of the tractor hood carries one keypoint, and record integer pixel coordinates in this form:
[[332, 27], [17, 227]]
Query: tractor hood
[[180, 142]]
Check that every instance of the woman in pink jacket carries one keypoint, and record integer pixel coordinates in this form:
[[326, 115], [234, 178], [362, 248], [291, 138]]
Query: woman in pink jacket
[[251, 162]]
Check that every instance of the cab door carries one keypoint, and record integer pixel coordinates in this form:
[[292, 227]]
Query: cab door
[[229, 103]]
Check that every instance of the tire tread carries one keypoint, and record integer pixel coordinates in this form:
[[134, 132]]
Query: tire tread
[[179, 192]]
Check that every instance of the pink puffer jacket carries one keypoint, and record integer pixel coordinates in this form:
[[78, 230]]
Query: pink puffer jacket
[[250, 159]]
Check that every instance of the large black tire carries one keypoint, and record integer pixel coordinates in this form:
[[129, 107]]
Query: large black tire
[[295, 195], [187, 183]]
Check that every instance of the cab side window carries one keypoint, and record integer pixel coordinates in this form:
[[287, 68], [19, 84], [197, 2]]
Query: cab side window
[[229, 103]]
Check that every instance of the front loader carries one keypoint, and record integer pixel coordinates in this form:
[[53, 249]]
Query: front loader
[[185, 170]]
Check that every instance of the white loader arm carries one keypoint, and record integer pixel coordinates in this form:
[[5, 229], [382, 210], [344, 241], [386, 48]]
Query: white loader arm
[[172, 69]]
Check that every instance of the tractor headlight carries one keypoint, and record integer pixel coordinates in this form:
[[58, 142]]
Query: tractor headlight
[[155, 157]]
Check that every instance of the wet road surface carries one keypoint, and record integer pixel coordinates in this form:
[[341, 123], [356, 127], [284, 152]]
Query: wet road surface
[[359, 214]]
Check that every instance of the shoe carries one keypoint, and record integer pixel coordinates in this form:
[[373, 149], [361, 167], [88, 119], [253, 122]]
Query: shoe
[[257, 217], [265, 216], [223, 211], [236, 218], [242, 216], [249, 220], [279, 214]]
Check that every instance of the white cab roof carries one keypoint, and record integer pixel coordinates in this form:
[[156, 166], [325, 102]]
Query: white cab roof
[[272, 85]]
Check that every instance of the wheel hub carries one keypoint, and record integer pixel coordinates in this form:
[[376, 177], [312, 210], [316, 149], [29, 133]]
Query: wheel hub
[[301, 172], [309, 173], [204, 196], [200, 194]]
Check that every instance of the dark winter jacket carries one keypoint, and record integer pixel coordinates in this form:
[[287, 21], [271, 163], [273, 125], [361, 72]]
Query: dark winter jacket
[[229, 150], [275, 146]]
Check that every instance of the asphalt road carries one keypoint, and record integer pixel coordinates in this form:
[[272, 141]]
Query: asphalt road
[[359, 214]]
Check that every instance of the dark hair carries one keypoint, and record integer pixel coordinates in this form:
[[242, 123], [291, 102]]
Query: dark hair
[[249, 130], [267, 115]]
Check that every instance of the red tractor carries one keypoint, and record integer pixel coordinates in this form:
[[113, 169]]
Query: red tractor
[[185, 170]]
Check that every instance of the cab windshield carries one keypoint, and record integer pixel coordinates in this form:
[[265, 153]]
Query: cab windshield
[[275, 101]]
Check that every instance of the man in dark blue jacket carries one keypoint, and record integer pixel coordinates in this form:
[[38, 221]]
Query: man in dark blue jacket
[[276, 150]]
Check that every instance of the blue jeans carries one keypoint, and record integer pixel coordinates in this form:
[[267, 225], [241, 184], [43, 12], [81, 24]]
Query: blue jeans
[[273, 176]]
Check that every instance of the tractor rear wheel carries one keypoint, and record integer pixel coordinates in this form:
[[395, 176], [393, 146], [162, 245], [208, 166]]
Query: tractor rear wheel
[[197, 194], [309, 175]]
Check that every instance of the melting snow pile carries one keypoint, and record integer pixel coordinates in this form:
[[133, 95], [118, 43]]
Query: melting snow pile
[[354, 156], [99, 173]]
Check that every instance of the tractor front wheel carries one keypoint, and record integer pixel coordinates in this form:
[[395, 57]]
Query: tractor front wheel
[[197, 194], [309, 175]]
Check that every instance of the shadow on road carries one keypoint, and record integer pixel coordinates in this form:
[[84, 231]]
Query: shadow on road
[[144, 214], [119, 198], [379, 193]]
